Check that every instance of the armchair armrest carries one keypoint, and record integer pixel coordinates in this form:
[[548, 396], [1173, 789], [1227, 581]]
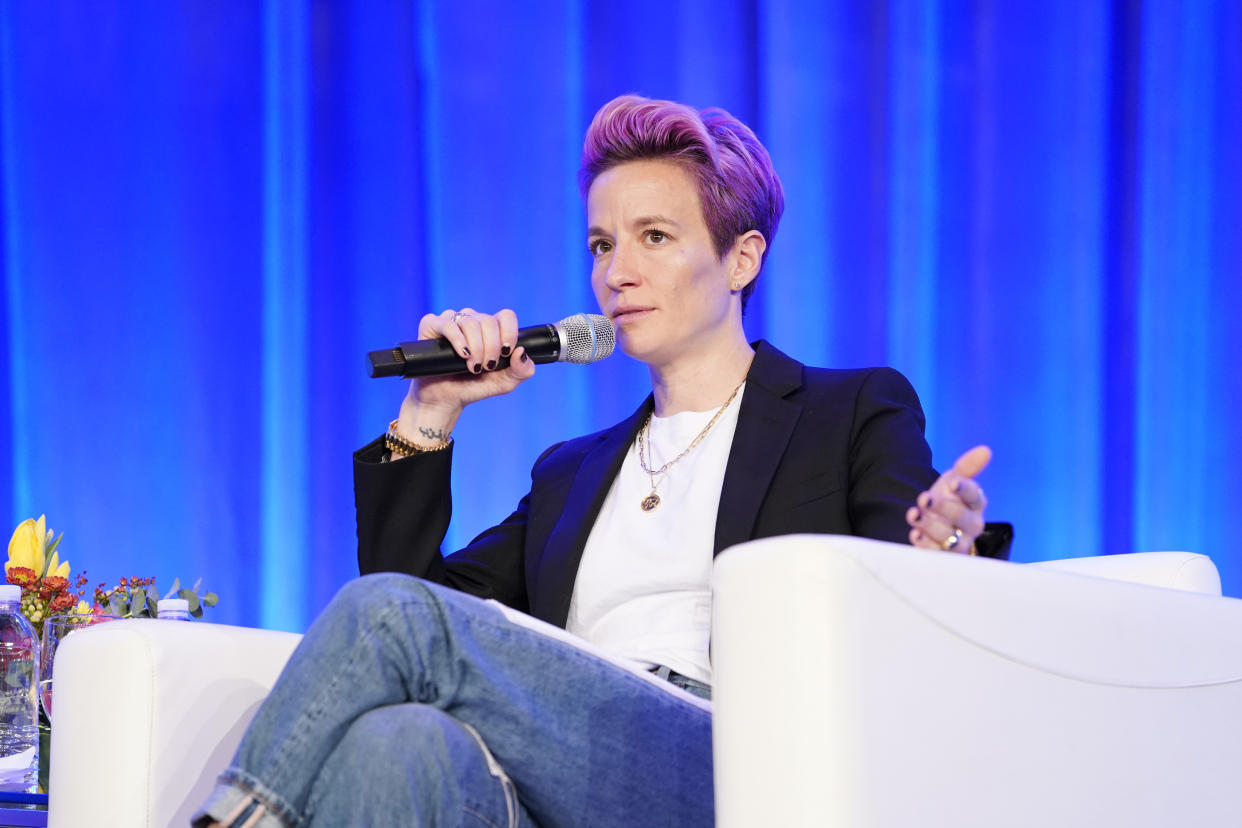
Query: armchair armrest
[[175, 698]]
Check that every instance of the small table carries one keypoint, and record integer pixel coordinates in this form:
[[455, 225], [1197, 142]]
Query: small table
[[22, 810]]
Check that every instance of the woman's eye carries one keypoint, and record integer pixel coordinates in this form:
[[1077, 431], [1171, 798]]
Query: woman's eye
[[599, 246], [657, 236]]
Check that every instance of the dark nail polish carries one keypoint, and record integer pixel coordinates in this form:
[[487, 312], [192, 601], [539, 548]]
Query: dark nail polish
[[491, 365], [466, 351], [478, 369], [525, 358], [506, 350], [957, 487], [929, 502], [918, 515]]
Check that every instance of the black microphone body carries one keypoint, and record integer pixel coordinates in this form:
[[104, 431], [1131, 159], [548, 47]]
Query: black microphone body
[[581, 339]]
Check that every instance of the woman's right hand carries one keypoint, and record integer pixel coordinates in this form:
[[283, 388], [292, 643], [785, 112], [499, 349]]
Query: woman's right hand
[[433, 404]]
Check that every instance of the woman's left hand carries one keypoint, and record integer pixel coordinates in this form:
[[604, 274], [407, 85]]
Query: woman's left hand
[[949, 515]]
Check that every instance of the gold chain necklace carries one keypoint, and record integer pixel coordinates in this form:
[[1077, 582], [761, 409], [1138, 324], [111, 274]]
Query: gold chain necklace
[[652, 501]]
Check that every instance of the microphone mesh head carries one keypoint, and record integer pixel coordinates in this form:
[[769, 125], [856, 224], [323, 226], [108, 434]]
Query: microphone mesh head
[[586, 338]]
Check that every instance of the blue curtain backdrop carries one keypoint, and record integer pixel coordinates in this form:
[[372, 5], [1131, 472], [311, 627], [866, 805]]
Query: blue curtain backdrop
[[211, 210]]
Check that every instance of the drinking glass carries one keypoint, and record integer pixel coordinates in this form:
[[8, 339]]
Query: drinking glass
[[55, 628]]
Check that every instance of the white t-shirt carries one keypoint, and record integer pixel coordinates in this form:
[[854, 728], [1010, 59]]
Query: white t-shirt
[[643, 590]]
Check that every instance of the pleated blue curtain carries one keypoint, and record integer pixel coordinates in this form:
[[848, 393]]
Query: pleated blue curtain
[[211, 211]]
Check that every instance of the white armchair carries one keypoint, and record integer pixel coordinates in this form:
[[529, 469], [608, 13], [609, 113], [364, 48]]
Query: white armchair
[[857, 684], [864, 684], [148, 712]]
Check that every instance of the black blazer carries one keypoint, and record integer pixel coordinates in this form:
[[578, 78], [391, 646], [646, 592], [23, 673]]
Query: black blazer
[[816, 450]]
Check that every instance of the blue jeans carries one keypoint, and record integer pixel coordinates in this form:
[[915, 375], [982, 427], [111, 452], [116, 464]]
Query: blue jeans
[[408, 703]]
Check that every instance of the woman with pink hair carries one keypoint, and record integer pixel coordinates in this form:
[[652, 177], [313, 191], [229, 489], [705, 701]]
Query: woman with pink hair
[[556, 671]]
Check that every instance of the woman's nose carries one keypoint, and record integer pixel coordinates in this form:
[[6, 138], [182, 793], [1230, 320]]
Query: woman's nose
[[621, 271]]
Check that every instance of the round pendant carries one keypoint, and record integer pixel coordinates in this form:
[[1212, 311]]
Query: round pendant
[[650, 503]]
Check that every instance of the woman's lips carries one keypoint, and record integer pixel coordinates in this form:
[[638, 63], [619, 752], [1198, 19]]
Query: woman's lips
[[626, 317]]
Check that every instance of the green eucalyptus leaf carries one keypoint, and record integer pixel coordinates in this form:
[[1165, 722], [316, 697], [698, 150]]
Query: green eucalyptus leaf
[[176, 588], [211, 599], [118, 604], [197, 585], [193, 599], [153, 601], [197, 612]]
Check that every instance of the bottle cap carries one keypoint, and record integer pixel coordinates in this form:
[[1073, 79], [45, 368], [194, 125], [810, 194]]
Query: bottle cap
[[10, 593], [173, 605]]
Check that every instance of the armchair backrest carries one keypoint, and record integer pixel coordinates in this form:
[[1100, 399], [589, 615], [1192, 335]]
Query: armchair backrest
[[1173, 570]]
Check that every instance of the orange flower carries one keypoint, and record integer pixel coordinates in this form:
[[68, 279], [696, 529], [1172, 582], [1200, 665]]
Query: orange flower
[[22, 576], [61, 603]]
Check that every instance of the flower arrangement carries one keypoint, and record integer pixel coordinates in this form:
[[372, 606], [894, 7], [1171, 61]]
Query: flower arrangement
[[35, 566]]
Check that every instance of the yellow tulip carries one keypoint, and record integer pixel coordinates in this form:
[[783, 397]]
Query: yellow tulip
[[26, 545], [28, 548], [61, 569]]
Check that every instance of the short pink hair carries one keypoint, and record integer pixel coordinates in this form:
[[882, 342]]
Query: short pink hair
[[738, 187]]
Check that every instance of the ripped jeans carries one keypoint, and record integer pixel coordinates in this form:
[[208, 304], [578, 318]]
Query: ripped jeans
[[408, 703]]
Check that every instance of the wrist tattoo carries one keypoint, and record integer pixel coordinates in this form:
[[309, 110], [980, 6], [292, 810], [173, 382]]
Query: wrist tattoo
[[432, 433]]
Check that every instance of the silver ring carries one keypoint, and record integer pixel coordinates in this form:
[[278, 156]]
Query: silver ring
[[457, 317], [950, 543]]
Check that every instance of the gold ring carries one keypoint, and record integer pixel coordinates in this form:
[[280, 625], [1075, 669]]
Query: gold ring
[[950, 543]]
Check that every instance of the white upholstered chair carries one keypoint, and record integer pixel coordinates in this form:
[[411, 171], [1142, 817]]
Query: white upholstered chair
[[865, 684], [148, 712], [857, 684]]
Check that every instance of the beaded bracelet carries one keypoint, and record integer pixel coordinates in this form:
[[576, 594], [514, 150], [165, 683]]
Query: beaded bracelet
[[402, 447]]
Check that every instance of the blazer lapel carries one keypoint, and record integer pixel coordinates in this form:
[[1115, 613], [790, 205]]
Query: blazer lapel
[[764, 426], [590, 486]]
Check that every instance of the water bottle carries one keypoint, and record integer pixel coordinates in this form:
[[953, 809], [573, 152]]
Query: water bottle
[[19, 706], [173, 609]]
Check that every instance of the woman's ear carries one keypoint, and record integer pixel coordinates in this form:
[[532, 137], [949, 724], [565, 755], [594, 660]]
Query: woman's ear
[[746, 258]]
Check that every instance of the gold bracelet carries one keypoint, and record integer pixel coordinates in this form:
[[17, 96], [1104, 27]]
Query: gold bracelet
[[402, 447]]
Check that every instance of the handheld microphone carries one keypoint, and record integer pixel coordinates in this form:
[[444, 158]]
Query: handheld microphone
[[581, 339]]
